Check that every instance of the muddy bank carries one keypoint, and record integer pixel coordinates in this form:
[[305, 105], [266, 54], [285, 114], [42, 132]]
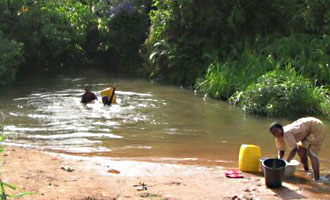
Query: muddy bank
[[58, 176]]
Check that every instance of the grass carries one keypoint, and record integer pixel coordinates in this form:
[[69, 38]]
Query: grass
[[283, 93], [304, 58], [223, 79]]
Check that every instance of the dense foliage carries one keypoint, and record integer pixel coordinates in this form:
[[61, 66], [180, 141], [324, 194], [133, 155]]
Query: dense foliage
[[183, 39], [127, 31], [227, 45], [223, 79], [62, 34], [186, 36], [10, 59], [283, 93], [308, 54], [218, 47]]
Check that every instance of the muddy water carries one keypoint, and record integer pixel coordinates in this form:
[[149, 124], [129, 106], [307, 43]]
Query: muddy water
[[149, 122]]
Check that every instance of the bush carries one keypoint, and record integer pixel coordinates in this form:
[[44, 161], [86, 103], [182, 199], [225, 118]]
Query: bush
[[10, 59], [219, 82], [283, 93], [187, 35], [308, 54], [53, 33], [183, 40], [223, 79]]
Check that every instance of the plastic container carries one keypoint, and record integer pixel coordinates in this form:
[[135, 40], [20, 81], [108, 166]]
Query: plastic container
[[106, 95], [261, 167], [274, 172], [290, 168], [249, 156]]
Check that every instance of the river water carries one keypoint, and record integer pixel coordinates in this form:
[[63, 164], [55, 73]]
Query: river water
[[149, 122]]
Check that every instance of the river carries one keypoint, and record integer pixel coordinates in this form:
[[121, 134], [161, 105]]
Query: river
[[150, 121]]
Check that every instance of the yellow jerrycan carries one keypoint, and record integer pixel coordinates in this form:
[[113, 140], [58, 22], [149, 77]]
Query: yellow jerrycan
[[107, 93], [249, 156]]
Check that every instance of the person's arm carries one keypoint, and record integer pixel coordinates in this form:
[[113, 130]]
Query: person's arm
[[291, 143], [280, 145], [280, 154], [292, 154]]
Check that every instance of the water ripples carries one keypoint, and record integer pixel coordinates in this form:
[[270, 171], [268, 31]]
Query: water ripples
[[56, 120]]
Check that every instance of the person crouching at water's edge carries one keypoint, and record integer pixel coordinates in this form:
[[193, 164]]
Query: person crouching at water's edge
[[88, 96], [304, 136]]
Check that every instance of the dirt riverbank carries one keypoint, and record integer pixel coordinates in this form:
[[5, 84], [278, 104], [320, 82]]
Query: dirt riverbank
[[58, 176]]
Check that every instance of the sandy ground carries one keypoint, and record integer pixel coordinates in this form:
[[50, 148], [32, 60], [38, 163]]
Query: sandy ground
[[49, 175]]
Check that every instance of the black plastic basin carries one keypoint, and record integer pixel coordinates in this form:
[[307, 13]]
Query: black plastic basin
[[274, 172]]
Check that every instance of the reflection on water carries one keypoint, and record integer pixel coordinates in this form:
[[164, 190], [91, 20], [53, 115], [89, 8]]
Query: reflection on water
[[55, 119], [149, 121]]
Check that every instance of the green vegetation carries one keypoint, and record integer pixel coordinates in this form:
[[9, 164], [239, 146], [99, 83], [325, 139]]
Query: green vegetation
[[228, 49], [127, 33], [283, 93], [62, 35], [308, 54], [223, 79], [222, 48], [308, 58], [10, 59], [183, 39]]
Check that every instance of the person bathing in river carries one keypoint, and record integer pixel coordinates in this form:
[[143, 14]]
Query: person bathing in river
[[304, 136], [88, 96]]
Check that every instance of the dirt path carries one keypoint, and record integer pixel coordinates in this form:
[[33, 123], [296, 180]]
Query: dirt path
[[50, 175]]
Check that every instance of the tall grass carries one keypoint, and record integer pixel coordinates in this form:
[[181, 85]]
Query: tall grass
[[223, 79], [219, 81], [304, 58]]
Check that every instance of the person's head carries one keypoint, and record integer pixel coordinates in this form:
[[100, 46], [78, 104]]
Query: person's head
[[87, 88], [276, 129]]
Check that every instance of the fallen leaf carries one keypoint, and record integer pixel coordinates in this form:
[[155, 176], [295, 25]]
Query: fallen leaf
[[113, 171]]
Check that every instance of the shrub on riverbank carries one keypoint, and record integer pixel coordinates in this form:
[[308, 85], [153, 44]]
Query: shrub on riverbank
[[283, 93], [308, 54], [10, 58], [223, 79]]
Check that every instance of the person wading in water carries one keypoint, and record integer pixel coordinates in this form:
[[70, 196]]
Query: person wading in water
[[304, 136], [88, 96]]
